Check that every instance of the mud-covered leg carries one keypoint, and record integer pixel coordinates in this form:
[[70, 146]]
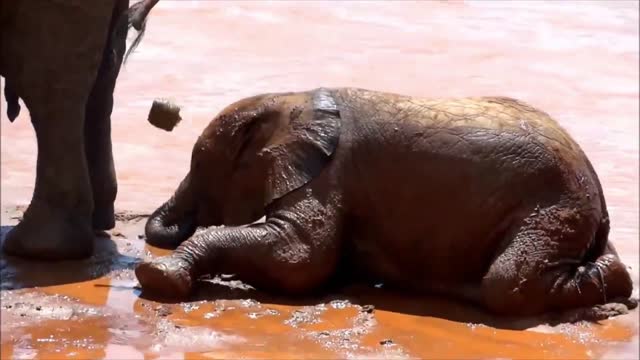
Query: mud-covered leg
[[617, 305], [98, 124], [287, 253], [544, 269]]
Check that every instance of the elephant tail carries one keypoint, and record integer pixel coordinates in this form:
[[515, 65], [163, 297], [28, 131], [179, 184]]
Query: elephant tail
[[136, 17], [13, 103]]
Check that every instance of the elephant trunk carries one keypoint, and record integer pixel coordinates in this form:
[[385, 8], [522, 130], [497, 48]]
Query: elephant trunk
[[174, 221]]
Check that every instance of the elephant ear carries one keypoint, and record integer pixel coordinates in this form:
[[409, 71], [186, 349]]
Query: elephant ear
[[293, 147]]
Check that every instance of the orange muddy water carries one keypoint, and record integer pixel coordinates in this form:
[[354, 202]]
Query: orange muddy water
[[576, 60]]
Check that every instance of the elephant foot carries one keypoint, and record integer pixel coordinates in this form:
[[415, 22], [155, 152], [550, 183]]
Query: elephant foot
[[616, 307], [104, 218], [166, 276], [47, 233]]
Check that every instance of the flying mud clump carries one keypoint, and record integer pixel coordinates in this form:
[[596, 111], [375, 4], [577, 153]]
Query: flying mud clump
[[164, 114]]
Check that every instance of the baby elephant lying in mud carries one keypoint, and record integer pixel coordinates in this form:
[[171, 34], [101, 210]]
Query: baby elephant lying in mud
[[485, 199]]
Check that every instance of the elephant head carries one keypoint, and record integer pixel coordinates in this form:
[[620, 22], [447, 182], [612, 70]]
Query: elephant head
[[252, 154]]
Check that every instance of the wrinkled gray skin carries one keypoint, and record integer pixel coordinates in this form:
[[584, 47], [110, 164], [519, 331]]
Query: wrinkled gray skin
[[63, 58], [486, 199]]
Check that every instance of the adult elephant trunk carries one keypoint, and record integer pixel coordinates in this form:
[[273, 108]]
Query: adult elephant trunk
[[174, 221]]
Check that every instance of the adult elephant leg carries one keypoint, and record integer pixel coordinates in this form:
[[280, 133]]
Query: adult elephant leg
[[57, 224], [53, 72], [548, 267], [98, 124]]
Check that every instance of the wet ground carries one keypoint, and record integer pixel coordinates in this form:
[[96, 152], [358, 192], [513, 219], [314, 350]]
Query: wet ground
[[577, 61]]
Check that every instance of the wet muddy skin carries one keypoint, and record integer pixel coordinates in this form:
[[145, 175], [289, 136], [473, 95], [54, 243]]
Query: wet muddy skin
[[577, 61]]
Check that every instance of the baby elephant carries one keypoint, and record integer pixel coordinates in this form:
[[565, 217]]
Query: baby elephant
[[485, 199]]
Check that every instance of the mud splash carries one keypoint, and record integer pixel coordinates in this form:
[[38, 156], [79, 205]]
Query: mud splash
[[577, 61]]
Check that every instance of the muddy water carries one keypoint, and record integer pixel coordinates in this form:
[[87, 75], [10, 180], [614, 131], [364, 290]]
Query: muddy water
[[578, 61]]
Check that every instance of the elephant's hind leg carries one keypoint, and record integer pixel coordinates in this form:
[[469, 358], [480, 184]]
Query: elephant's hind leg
[[545, 267], [98, 125]]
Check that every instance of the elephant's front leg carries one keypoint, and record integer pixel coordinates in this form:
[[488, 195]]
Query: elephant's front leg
[[98, 124], [287, 253], [57, 224]]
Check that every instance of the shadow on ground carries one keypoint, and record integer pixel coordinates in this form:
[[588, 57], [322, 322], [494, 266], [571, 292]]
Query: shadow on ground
[[17, 273]]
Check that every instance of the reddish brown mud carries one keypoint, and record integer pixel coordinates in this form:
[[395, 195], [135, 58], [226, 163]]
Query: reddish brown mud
[[578, 61]]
